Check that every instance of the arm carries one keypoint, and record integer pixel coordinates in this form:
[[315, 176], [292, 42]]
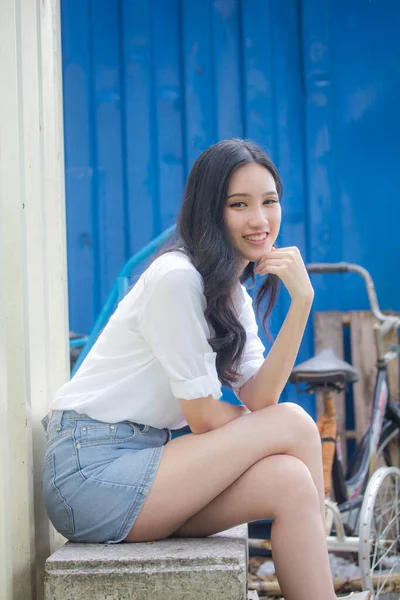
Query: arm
[[265, 387], [206, 414], [172, 321]]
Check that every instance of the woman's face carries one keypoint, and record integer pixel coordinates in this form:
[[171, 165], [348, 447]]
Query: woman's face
[[252, 208]]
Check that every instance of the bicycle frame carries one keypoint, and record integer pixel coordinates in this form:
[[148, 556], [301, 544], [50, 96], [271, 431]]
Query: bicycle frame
[[385, 416], [363, 461]]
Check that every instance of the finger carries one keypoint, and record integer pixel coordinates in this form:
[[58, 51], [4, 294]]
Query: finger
[[271, 261], [293, 252], [273, 270], [288, 253], [275, 254]]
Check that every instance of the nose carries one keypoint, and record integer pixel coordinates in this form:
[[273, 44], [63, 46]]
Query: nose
[[258, 218]]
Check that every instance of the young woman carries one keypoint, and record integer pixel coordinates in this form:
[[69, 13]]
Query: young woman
[[112, 472]]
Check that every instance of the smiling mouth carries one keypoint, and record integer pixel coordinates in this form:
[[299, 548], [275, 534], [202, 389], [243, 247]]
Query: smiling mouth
[[256, 237]]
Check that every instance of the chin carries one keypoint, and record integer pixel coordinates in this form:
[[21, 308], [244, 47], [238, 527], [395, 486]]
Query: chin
[[256, 254], [254, 258], [253, 254]]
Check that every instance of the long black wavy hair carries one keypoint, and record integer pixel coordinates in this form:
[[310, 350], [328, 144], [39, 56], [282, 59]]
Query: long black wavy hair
[[202, 235]]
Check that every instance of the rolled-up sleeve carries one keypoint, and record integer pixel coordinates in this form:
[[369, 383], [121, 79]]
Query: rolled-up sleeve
[[172, 322], [253, 354]]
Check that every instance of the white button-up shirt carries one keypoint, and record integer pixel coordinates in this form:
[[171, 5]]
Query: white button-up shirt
[[154, 351]]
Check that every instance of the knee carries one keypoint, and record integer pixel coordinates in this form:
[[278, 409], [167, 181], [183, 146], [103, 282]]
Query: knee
[[304, 428], [294, 487]]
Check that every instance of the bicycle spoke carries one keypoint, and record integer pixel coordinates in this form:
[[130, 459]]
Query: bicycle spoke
[[393, 520], [375, 564], [379, 589], [380, 530]]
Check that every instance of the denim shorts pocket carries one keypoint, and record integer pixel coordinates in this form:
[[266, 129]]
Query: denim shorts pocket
[[59, 512], [104, 433]]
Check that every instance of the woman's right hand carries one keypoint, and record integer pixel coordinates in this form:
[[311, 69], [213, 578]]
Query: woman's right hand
[[288, 265]]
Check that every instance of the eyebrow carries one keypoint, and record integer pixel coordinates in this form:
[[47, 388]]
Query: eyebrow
[[271, 193]]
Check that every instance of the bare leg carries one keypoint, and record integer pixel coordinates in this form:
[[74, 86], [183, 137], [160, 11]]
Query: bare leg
[[195, 469], [298, 537], [203, 466]]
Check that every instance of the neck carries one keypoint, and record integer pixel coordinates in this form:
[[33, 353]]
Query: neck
[[241, 266]]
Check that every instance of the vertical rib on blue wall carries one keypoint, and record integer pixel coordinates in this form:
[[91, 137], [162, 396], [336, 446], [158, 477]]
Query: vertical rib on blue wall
[[257, 74], [140, 128], [324, 216], [78, 138], [227, 74], [108, 125], [197, 79], [168, 114]]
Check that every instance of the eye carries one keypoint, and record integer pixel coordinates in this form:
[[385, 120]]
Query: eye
[[237, 203], [267, 201]]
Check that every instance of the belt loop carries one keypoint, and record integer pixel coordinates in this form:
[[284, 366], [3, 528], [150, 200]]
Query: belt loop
[[45, 422], [58, 415]]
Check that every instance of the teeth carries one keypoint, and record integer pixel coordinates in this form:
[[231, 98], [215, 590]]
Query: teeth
[[256, 238]]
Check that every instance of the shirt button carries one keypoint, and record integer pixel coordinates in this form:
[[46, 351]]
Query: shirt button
[[78, 446], [83, 428], [112, 426]]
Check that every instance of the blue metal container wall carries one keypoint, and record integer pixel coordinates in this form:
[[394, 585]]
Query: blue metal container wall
[[351, 68], [149, 84]]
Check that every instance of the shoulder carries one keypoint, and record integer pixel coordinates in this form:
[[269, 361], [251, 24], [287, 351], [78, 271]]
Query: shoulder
[[246, 312], [244, 300], [172, 269]]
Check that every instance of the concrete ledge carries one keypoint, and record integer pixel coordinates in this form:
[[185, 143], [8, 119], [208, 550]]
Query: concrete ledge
[[209, 568]]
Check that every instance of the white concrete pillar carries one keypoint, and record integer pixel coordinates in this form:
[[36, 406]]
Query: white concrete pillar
[[33, 281]]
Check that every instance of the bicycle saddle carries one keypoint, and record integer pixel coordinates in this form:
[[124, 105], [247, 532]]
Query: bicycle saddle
[[324, 368]]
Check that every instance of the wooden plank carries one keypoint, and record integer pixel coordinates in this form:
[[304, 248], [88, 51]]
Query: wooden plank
[[393, 375], [328, 333], [364, 360], [393, 368]]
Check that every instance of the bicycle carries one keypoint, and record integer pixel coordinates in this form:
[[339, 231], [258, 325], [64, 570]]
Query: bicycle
[[365, 516]]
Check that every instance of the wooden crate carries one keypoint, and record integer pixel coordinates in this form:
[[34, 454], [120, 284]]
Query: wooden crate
[[329, 332]]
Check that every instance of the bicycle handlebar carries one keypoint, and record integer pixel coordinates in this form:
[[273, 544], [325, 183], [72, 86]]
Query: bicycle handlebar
[[341, 267], [387, 322]]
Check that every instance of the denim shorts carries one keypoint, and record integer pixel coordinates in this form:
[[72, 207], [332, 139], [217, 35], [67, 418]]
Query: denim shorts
[[96, 476]]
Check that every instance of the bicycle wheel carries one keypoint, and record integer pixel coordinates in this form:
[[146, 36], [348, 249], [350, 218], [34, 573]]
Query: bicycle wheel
[[389, 432], [379, 547]]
